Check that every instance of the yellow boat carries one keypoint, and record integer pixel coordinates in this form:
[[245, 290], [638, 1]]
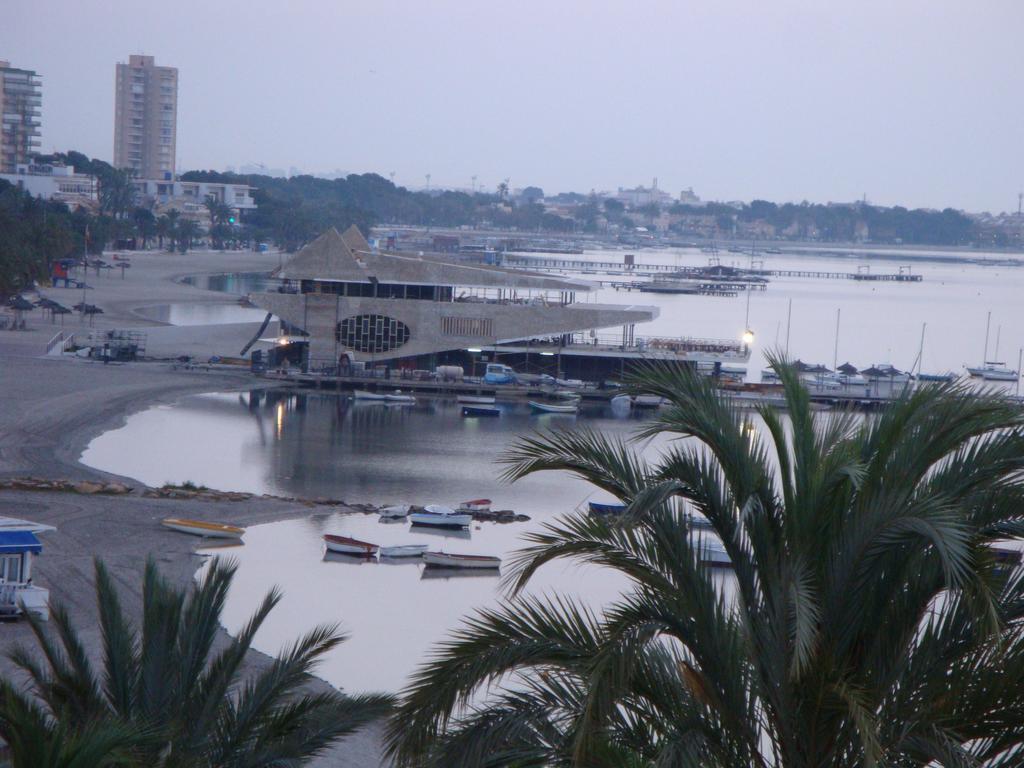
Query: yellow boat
[[200, 528]]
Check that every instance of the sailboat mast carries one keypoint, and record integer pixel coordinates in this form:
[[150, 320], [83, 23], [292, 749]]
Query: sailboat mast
[[789, 318], [920, 351], [988, 323], [999, 329], [835, 350]]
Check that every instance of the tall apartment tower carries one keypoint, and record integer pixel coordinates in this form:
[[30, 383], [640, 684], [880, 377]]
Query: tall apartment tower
[[146, 118], [20, 100]]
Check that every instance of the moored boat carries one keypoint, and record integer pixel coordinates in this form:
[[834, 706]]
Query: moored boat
[[475, 400], [647, 401], [440, 517], [606, 508], [713, 555], [362, 394], [398, 396], [403, 550], [1006, 557], [448, 560], [397, 510], [553, 408], [475, 505], [345, 545], [993, 371], [471, 411], [202, 528]]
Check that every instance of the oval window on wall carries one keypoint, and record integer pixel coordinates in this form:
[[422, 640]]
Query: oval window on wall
[[372, 333]]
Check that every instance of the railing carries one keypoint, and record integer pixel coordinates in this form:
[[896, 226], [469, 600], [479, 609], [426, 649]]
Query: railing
[[59, 343]]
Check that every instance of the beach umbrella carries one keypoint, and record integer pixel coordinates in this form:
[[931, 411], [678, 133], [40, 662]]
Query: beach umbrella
[[20, 305]]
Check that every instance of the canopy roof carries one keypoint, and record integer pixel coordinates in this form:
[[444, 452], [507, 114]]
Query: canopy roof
[[16, 542], [349, 258], [17, 524]]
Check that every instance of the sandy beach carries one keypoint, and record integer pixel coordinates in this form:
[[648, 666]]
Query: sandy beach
[[50, 408]]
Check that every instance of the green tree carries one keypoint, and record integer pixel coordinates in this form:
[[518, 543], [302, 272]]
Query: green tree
[[145, 225], [186, 231], [116, 191], [164, 696], [867, 623]]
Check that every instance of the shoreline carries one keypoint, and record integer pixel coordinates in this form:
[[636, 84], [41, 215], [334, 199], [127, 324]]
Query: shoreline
[[51, 411]]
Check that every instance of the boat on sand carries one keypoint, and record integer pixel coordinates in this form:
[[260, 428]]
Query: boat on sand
[[202, 528]]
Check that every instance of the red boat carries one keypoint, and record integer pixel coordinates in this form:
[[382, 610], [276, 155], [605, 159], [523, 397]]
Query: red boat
[[475, 505], [349, 546]]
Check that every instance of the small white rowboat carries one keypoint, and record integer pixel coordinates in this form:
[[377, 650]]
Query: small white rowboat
[[446, 560], [398, 396], [403, 550], [362, 394], [348, 546], [552, 408], [200, 528], [399, 510]]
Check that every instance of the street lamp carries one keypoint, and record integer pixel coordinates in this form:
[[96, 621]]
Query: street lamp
[[748, 337]]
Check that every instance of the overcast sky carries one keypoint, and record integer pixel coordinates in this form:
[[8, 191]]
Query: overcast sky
[[915, 102]]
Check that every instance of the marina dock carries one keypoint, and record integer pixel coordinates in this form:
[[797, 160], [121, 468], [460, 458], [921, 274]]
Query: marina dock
[[864, 398]]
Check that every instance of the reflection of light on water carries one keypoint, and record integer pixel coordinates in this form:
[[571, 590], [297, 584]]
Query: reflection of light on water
[[280, 419]]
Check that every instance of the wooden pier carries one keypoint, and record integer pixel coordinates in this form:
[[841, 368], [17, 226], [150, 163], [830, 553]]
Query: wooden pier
[[556, 264]]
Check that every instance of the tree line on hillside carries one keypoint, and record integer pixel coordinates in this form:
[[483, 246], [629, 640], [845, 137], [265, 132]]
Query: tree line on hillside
[[292, 211], [842, 223]]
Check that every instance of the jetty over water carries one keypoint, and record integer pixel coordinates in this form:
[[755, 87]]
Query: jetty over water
[[558, 264]]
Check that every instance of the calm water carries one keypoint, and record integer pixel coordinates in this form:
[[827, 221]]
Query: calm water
[[321, 445]]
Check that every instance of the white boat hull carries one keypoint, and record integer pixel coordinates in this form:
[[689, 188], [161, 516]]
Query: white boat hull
[[404, 550], [445, 560], [362, 394], [474, 400], [547, 408], [993, 374], [210, 533], [350, 549]]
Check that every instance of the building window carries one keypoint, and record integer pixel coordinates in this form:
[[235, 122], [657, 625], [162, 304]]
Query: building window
[[372, 333], [467, 326]]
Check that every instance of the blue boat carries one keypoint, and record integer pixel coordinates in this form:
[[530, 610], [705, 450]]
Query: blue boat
[[597, 508], [480, 410]]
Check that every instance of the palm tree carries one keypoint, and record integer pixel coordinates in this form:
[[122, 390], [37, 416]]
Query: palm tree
[[163, 229], [164, 696], [186, 230], [865, 622], [172, 217]]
